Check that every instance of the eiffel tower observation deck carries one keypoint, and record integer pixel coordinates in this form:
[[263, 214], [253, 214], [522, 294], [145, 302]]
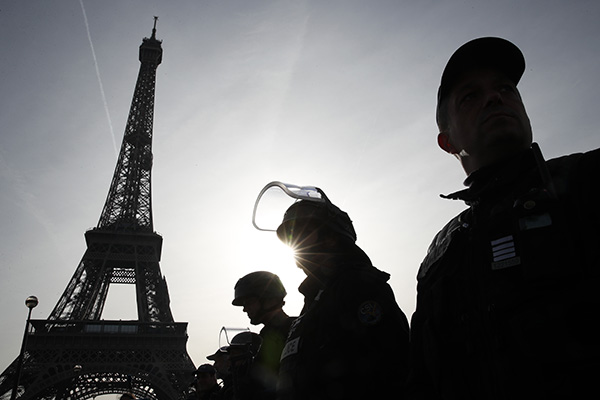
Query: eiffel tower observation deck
[[74, 353]]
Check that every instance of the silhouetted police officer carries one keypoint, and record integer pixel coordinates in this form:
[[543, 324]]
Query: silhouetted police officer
[[508, 296], [247, 376], [351, 339], [261, 294]]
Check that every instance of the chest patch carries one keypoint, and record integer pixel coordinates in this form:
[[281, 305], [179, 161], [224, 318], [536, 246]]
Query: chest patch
[[369, 312], [291, 347], [504, 253]]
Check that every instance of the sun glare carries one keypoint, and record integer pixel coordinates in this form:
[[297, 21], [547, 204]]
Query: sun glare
[[269, 254]]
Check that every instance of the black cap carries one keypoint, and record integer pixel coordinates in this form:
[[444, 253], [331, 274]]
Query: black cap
[[480, 53]]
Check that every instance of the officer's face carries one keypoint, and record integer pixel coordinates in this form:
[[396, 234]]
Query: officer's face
[[252, 307], [487, 120], [315, 251], [301, 234], [238, 356], [221, 364], [205, 381]]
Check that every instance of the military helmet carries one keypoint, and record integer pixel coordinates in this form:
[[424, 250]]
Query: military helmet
[[310, 208], [261, 284], [322, 214], [205, 368], [244, 345]]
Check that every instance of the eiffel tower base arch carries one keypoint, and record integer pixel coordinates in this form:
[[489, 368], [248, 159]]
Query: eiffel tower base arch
[[147, 359]]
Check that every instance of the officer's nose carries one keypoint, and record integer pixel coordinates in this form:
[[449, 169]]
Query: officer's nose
[[493, 97]]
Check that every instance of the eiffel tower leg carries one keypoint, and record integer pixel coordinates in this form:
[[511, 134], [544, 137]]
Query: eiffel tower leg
[[8, 380]]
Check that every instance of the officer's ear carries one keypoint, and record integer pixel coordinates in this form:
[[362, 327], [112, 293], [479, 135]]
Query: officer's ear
[[445, 144]]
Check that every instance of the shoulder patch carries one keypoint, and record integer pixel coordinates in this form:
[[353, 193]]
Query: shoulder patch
[[441, 242], [369, 312]]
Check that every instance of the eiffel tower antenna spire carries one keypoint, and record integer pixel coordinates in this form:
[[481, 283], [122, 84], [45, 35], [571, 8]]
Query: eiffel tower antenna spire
[[154, 28], [146, 356]]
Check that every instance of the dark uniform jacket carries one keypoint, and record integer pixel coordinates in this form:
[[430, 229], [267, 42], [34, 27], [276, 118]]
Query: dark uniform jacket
[[508, 294], [266, 364], [211, 394], [351, 339], [274, 335]]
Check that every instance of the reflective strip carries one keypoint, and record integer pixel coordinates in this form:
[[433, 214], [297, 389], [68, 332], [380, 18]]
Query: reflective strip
[[502, 240], [503, 248]]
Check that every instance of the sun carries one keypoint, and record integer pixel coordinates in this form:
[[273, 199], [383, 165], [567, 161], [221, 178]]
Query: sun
[[265, 252]]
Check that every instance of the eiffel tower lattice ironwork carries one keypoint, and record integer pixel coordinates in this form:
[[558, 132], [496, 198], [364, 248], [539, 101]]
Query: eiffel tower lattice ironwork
[[74, 353]]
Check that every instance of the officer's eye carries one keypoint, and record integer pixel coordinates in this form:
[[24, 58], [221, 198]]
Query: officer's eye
[[506, 88], [467, 98]]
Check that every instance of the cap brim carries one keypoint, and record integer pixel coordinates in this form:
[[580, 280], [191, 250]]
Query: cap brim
[[238, 302], [219, 353]]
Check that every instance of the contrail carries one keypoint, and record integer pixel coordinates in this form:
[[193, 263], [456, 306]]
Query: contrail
[[87, 27]]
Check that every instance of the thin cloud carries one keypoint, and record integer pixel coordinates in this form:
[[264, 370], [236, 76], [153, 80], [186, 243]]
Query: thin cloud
[[110, 125]]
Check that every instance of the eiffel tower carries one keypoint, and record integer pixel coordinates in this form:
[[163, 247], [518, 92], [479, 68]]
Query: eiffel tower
[[75, 354]]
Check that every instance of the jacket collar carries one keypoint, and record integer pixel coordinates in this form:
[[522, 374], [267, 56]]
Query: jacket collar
[[490, 180]]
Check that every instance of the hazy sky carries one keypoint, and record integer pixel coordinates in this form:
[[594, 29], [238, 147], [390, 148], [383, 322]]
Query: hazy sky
[[337, 94]]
